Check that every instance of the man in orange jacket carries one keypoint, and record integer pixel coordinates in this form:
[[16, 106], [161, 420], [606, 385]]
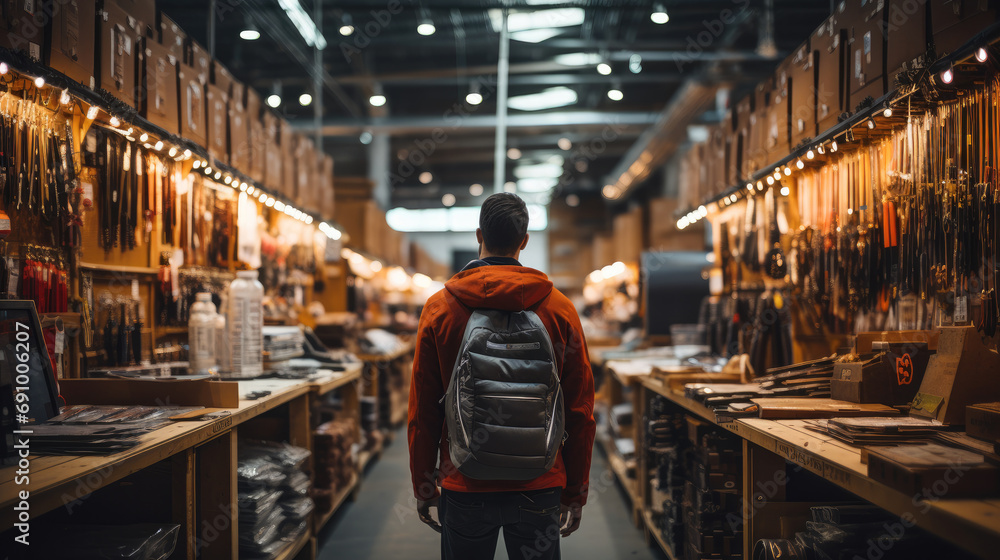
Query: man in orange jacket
[[533, 513]]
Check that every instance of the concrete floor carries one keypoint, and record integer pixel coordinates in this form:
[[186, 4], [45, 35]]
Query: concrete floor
[[382, 524]]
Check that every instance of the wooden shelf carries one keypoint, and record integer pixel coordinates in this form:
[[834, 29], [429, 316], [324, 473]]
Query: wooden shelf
[[973, 524], [294, 547], [323, 518], [619, 467], [324, 385], [403, 350], [119, 268], [654, 531]]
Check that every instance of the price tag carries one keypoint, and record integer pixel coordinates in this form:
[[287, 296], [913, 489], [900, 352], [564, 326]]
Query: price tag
[[135, 289], [961, 309], [60, 342]]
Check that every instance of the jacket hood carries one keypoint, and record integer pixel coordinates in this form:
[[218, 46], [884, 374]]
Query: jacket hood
[[508, 288]]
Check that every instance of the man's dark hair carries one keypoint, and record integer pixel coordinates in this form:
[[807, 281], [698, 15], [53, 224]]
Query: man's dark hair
[[504, 221]]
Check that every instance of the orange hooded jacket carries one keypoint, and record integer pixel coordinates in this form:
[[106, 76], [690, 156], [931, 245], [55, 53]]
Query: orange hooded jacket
[[442, 325]]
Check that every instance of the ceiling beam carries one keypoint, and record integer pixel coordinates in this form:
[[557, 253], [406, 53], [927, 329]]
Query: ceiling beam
[[452, 122]]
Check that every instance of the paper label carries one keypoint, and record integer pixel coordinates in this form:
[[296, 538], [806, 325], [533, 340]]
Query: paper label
[[135, 289], [60, 342], [961, 309]]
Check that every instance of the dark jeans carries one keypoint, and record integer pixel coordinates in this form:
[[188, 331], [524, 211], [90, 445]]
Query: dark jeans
[[471, 522]]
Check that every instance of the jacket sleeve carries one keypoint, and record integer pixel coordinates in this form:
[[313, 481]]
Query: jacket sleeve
[[578, 393], [426, 415]]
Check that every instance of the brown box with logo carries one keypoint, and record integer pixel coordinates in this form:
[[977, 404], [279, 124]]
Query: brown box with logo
[[117, 53], [191, 92], [802, 77], [70, 39], [273, 171], [173, 37], [257, 139], [158, 101], [218, 123], [239, 128], [864, 22], [829, 42], [892, 376]]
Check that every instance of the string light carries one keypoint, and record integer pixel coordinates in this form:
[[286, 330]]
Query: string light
[[208, 171], [948, 75], [91, 112], [218, 175], [770, 180], [173, 151], [749, 186], [777, 175], [251, 189], [871, 123], [887, 113], [196, 164], [262, 197], [115, 121], [158, 146], [64, 97], [243, 187], [799, 164], [143, 137], [39, 82], [760, 186], [820, 149], [982, 54], [227, 180], [187, 154], [3, 68], [785, 191], [833, 146], [810, 154]]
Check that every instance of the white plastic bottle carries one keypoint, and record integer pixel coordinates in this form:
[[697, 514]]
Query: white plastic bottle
[[223, 355], [246, 322], [201, 335]]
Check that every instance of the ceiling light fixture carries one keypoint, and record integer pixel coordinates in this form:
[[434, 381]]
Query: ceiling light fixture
[[347, 25], [377, 100], [948, 75], [305, 99], [303, 23], [448, 199], [514, 153], [564, 143], [982, 54], [604, 69], [474, 97], [659, 15], [426, 177], [476, 189], [273, 101], [547, 99], [635, 63], [615, 94]]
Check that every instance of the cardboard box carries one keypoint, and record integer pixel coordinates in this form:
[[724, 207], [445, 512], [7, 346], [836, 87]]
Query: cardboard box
[[741, 147], [258, 140], [144, 11], [19, 31], [776, 141], [326, 207], [117, 53], [173, 37], [829, 42], [963, 372], [802, 78], [954, 22], [983, 421], [203, 392], [890, 377], [158, 101], [223, 78], [912, 469], [194, 124], [273, 171], [239, 129], [70, 39], [288, 140], [628, 236], [218, 123], [306, 168], [864, 21], [907, 36], [756, 149], [198, 57]]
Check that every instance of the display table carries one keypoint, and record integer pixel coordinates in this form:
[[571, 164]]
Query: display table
[[196, 460]]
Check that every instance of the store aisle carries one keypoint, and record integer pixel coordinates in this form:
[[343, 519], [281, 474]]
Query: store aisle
[[382, 524]]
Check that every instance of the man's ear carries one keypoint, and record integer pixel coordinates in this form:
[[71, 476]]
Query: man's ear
[[524, 243], [479, 235]]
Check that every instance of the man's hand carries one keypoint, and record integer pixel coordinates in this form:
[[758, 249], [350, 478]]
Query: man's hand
[[424, 511], [569, 519]]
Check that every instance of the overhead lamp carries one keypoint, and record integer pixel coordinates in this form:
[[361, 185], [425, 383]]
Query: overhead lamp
[[250, 33], [303, 23], [615, 94], [514, 153], [426, 25], [158, 146], [426, 177], [887, 113], [475, 189], [474, 97], [538, 19], [948, 75], [115, 121], [366, 138], [510, 186], [577, 59], [564, 144], [635, 63], [273, 100], [833, 146], [534, 35], [448, 199], [604, 69], [377, 100], [39, 82], [347, 25], [305, 99], [659, 15], [547, 99], [91, 112], [982, 54], [64, 97]]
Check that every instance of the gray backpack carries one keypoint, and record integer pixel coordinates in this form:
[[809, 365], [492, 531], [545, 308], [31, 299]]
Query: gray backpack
[[504, 404]]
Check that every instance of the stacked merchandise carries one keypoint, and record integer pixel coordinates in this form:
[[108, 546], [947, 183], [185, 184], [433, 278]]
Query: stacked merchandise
[[854, 531], [334, 444], [274, 506], [369, 422], [712, 493], [100, 430], [282, 343], [666, 443]]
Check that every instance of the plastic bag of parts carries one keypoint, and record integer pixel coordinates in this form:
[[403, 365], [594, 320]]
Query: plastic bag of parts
[[282, 455], [298, 508], [144, 541], [257, 501]]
